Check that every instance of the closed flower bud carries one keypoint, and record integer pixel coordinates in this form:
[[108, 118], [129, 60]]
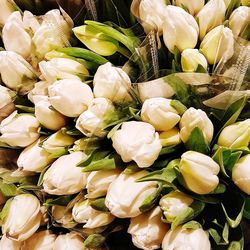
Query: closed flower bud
[[83, 213], [62, 68], [70, 97], [43, 240], [34, 158], [70, 241], [191, 59], [19, 130], [23, 217], [40, 88], [181, 238], [8, 244], [239, 19], [57, 142], [193, 118], [199, 172], [47, 116], [126, 195], [137, 141], [241, 174], [174, 204], [98, 182], [63, 216], [6, 9], [64, 177], [179, 29], [236, 135], [112, 83], [16, 73], [193, 6], [170, 137], [159, 113], [218, 44], [210, 16], [91, 122], [148, 230]]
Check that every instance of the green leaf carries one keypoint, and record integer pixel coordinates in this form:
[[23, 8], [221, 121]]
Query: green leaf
[[135, 113], [220, 240], [232, 5], [94, 156], [5, 209], [220, 189], [235, 245], [178, 106], [197, 142], [247, 209], [8, 190], [26, 109], [60, 201], [200, 69], [99, 204], [58, 153], [113, 130], [40, 180], [94, 241], [192, 225], [169, 149], [131, 169]]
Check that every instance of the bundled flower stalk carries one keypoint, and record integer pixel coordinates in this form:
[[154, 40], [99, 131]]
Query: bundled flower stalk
[[94, 145]]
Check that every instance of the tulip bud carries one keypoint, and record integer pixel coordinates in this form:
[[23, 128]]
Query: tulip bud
[[181, 238], [57, 142], [8, 244], [245, 2], [193, 6], [43, 240], [174, 204], [159, 113], [239, 19], [83, 213], [62, 68], [48, 117], [218, 44], [126, 195], [148, 230], [34, 158], [40, 88], [6, 9], [98, 182], [64, 177], [193, 118], [112, 83], [70, 241], [96, 41], [16, 73], [191, 59], [70, 97], [179, 29], [19, 130], [23, 217], [236, 135], [137, 141], [207, 18], [199, 172], [170, 137], [91, 122], [63, 216], [241, 174]]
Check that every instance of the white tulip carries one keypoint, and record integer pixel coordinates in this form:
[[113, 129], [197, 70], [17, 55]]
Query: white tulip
[[241, 174], [63, 216], [137, 141], [62, 68], [70, 241], [210, 16], [170, 137], [19, 130], [5, 97], [6, 9], [64, 177], [23, 217], [174, 204], [155, 88], [91, 122], [180, 238], [193, 118], [190, 60], [148, 230], [34, 158], [70, 97], [16, 73], [126, 195], [112, 83], [159, 113], [179, 29], [49, 118], [40, 88], [43, 240], [58, 142], [83, 213], [236, 135], [98, 182], [8, 244], [193, 6], [151, 13], [199, 172], [239, 20], [218, 44]]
